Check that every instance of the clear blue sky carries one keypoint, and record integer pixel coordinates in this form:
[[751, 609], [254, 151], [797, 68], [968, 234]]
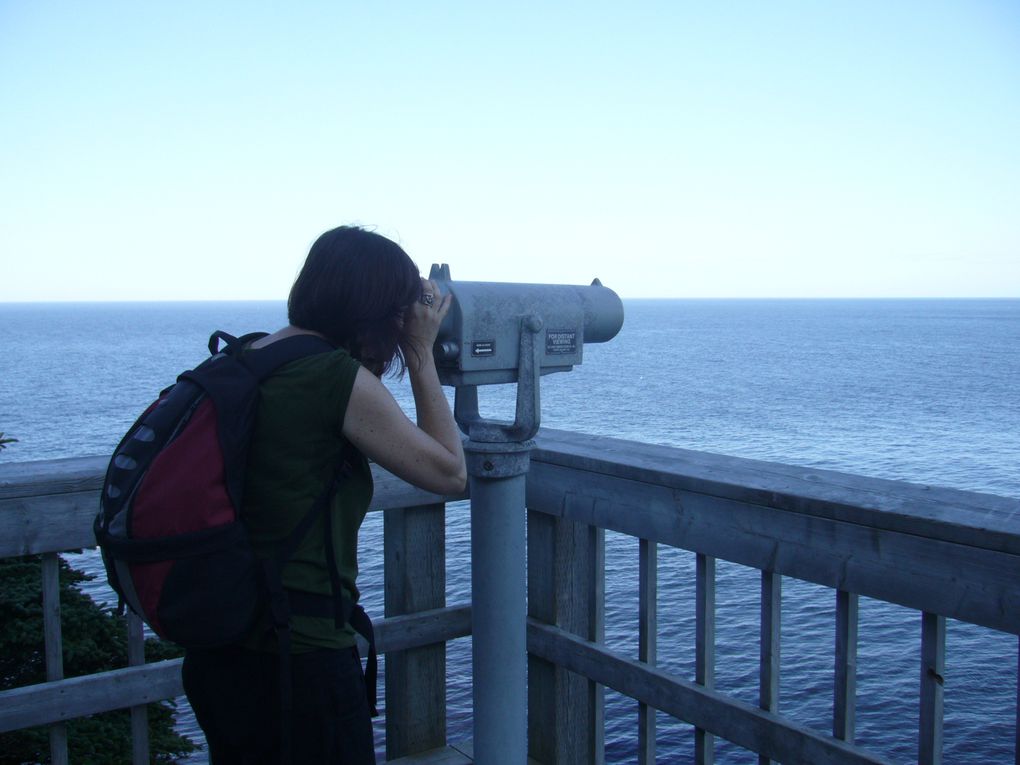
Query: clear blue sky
[[193, 150]]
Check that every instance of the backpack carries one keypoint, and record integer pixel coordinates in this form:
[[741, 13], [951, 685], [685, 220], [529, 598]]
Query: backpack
[[170, 523]]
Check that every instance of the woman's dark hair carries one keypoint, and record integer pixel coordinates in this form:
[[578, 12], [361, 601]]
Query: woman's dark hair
[[354, 288]]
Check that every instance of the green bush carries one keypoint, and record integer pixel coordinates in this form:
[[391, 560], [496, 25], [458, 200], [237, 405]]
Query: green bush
[[94, 640]]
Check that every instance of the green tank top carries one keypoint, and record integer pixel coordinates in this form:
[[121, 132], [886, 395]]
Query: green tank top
[[296, 448]]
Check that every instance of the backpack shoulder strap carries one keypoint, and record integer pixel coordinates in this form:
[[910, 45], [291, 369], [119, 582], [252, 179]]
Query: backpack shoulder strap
[[233, 345], [262, 362]]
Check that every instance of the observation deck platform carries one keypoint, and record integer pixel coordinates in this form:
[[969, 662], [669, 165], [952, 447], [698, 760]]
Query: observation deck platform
[[943, 553]]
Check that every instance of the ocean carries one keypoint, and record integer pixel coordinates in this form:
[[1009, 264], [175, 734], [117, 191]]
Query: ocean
[[917, 390]]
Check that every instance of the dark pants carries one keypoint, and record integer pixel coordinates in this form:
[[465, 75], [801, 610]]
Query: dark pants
[[235, 693]]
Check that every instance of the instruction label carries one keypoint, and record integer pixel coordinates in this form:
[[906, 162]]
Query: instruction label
[[483, 348], [560, 342]]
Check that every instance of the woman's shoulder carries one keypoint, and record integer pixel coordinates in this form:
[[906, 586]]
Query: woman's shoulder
[[328, 368], [318, 356], [311, 391]]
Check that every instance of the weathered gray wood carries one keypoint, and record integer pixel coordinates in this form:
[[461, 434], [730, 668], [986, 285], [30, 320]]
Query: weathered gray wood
[[467, 748], [85, 474], [63, 476], [770, 647], [970, 518], [135, 639], [565, 587], [597, 617], [946, 552], [739, 722], [704, 666], [542, 723], [580, 576], [51, 702], [58, 744], [968, 583], [415, 580], [391, 493], [459, 753], [52, 638], [61, 700], [401, 633], [844, 707], [933, 669], [47, 523], [648, 627], [444, 755], [53, 646], [45, 510], [139, 714]]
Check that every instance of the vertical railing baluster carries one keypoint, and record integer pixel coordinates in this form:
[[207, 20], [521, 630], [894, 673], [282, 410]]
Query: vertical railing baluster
[[597, 606], [415, 580], [544, 728], [771, 617], [566, 587], [704, 672], [933, 668], [53, 646], [648, 575], [844, 706], [1016, 727], [139, 714]]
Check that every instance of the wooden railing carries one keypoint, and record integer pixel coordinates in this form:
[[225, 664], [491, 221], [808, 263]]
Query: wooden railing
[[945, 553], [48, 507]]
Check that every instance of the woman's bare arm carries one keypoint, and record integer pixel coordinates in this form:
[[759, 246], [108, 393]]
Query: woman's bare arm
[[429, 454]]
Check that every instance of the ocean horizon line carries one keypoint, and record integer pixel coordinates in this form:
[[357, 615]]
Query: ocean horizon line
[[734, 299]]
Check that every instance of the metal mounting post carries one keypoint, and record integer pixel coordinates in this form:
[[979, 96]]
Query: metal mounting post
[[498, 600], [498, 455], [527, 416]]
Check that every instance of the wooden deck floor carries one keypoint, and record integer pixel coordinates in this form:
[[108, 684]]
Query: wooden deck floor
[[461, 753], [446, 755]]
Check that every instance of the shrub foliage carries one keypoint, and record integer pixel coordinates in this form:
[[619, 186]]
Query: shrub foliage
[[94, 640]]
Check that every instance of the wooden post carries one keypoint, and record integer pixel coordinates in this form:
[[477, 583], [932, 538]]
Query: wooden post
[[704, 673], [543, 739], [933, 668], [844, 707], [771, 619], [566, 570], [648, 622], [54, 646], [139, 714], [415, 580]]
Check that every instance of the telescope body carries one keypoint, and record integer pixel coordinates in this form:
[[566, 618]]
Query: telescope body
[[479, 342], [495, 333]]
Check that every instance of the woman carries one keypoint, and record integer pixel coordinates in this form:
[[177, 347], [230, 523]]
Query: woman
[[361, 293]]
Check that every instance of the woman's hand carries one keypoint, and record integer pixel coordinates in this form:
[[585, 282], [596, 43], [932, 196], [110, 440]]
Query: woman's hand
[[421, 324]]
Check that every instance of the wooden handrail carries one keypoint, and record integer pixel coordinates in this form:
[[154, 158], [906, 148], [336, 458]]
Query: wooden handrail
[[943, 552]]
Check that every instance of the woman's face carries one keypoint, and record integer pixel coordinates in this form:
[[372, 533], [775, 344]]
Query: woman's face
[[371, 357]]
